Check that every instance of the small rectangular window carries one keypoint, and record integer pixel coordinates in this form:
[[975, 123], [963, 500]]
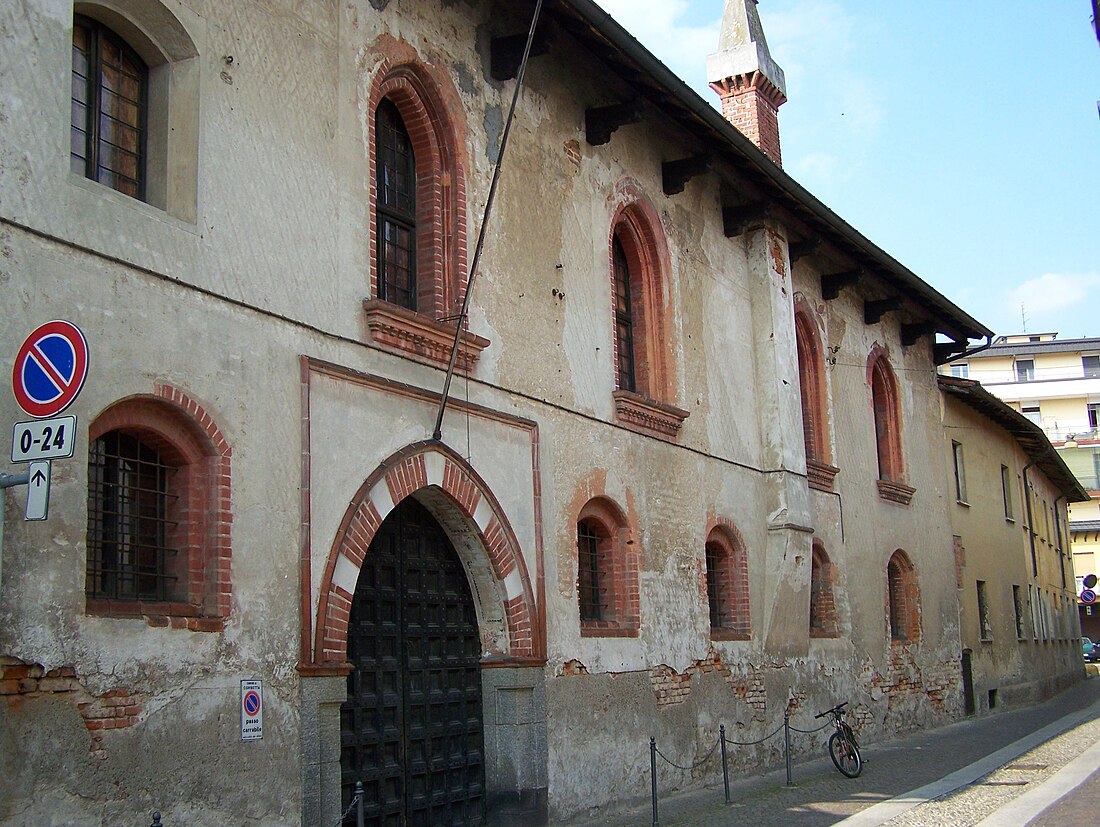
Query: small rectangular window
[[983, 612], [960, 472], [1094, 415], [1018, 608], [1091, 366], [960, 370], [1025, 370], [1006, 492], [1033, 413]]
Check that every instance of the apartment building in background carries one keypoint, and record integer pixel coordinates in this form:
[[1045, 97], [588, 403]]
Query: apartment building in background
[[1056, 384]]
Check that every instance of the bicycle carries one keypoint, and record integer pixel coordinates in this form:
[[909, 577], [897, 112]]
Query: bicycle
[[843, 748]]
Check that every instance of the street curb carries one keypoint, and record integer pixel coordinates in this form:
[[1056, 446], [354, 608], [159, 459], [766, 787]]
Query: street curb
[[884, 811]]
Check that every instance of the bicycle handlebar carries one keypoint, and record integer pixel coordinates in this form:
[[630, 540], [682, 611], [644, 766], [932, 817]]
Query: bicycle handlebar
[[834, 710]]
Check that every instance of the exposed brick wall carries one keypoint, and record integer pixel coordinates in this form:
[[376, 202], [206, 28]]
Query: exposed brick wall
[[672, 687], [118, 708]]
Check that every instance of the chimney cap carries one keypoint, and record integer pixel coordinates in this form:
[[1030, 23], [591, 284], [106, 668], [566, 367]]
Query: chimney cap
[[742, 47]]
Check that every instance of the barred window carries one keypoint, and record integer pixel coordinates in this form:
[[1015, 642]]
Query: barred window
[[396, 208], [624, 318], [593, 576], [727, 585], [109, 104], [130, 502]]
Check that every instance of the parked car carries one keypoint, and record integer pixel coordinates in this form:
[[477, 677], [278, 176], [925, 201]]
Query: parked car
[[1090, 650]]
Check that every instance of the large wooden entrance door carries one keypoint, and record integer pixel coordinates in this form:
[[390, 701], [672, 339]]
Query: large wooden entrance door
[[411, 729]]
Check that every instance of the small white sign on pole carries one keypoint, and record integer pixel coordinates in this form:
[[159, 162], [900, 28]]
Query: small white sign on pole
[[38, 490], [252, 710]]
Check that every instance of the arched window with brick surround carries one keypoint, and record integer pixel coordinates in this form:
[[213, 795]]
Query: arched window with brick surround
[[886, 409], [645, 385], [158, 541], [607, 571], [727, 581], [811, 384], [418, 215], [823, 620], [902, 599]]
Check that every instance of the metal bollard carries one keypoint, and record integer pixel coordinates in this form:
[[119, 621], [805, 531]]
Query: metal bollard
[[653, 777], [359, 811], [156, 820], [787, 745], [725, 765]]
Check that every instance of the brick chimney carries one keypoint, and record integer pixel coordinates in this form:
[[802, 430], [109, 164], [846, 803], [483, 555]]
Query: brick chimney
[[748, 81]]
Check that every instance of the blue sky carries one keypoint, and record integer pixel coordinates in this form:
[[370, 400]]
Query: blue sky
[[961, 136]]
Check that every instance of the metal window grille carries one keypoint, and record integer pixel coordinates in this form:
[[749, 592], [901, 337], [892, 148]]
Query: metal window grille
[[896, 591], [624, 319], [396, 208], [129, 499], [591, 588], [717, 591], [109, 108]]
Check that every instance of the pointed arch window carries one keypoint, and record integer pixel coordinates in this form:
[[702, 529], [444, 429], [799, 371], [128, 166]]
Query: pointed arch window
[[823, 618], [644, 381], [815, 419], [886, 410]]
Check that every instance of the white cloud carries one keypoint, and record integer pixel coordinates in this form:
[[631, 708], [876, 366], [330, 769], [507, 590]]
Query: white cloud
[[1055, 302]]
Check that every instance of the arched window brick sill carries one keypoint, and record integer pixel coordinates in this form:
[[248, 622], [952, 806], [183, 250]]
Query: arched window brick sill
[[405, 331], [647, 415], [607, 631], [820, 475], [895, 492], [157, 615], [728, 634]]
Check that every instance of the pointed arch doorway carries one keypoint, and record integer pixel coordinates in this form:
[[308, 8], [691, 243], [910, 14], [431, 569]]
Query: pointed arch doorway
[[411, 728]]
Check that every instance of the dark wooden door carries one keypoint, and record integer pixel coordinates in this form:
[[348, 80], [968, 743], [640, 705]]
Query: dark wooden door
[[411, 729]]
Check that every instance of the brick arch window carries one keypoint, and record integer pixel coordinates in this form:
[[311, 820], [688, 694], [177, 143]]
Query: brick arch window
[[644, 376], [134, 107], [727, 581], [902, 599], [823, 619], [158, 540], [418, 213], [886, 409], [607, 571], [815, 416]]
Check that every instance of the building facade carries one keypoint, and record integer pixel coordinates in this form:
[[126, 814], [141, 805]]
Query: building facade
[[1017, 603], [1056, 384], [687, 472]]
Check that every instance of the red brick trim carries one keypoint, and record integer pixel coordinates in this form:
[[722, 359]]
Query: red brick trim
[[186, 435], [433, 115], [402, 475], [751, 103], [396, 328], [730, 557]]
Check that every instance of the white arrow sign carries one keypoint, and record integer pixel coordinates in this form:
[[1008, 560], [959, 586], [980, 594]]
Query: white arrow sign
[[38, 490]]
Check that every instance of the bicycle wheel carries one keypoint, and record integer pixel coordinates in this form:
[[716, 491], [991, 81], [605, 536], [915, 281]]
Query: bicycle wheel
[[845, 755]]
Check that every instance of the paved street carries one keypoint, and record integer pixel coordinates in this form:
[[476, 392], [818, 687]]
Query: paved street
[[997, 770]]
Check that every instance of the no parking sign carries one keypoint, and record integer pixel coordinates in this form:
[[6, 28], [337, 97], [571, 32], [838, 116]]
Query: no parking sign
[[252, 710]]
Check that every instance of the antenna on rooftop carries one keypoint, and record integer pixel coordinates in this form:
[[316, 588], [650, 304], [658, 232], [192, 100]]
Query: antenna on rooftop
[[1023, 317]]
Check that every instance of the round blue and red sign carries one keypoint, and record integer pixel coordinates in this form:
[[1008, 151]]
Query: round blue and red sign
[[50, 368], [1088, 596], [251, 703]]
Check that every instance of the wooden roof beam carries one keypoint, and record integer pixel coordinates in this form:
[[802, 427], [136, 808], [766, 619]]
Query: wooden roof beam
[[601, 121], [676, 174]]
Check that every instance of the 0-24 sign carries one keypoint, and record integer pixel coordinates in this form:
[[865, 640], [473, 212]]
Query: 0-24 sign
[[44, 439]]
